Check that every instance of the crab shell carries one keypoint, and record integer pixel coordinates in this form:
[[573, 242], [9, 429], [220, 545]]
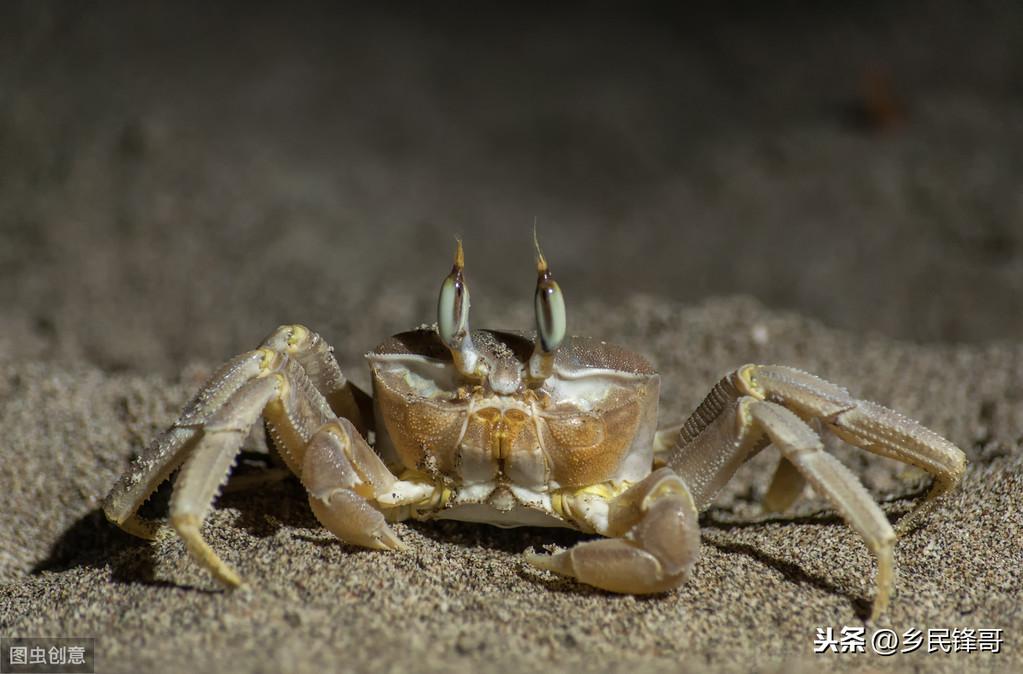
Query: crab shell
[[502, 455]]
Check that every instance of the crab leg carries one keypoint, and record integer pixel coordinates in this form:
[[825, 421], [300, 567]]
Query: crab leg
[[802, 448], [342, 474], [786, 487], [281, 393], [657, 540], [166, 454], [170, 449], [205, 471], [758, 405], [317, 360], [271, 382], [864, 424]]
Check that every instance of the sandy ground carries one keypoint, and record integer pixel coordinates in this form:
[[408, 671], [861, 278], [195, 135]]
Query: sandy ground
[[462, 597], [176, 181]]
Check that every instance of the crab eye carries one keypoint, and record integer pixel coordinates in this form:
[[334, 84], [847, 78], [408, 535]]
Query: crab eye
[[549, 304], [550, 311], [453, 304], [453, 321]]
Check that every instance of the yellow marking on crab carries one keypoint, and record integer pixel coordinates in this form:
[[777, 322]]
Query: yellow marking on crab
[[438, 498], [298, 334], [413, 475], [562, 499], [557, 504], [748, 380], [267, 358], [666, 487]]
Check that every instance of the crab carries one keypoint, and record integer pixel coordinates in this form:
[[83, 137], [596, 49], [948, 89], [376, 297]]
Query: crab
[[523, 429]]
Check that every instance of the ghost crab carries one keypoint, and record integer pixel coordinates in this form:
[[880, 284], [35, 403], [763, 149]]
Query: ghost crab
[[513, 429]]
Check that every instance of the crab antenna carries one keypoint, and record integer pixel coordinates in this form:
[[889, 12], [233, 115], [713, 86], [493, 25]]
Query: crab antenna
[[453, 318], [549, 304]]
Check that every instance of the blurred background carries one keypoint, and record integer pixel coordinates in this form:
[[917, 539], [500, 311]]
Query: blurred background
[[176, 178]]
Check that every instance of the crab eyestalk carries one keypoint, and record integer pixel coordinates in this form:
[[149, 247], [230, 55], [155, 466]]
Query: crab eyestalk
[[549, 303], [453, 319]]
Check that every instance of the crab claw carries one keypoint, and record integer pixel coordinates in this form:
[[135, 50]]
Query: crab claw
[[343, 475], [658, 545]]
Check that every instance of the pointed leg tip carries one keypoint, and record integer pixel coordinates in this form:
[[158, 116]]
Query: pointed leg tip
[[388, 540], [881, 602], [537, 559], [228, 578], [547, 562], [140, 528]]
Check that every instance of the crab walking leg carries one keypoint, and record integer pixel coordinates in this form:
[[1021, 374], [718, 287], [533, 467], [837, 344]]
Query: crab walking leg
[[658, 540], [786, 486], [206, 438], [170, 449], [862, 423], [757, 405], [699, 458], [317, 360], [788, 483], [802, 448], [293, 347], [729, 428], [206, 469], [292, 407], [664, 440], [343, 476]]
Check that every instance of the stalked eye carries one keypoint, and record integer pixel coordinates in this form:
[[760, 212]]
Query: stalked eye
[[550, 312], [453, 304], [549, 304], [453, 321]]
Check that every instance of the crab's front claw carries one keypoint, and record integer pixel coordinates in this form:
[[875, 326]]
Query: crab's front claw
[[611, 564], [352, 519], [659, 546], [343, 476]]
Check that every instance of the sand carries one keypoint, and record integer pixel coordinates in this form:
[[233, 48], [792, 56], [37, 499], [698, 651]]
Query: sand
[[462, 597]]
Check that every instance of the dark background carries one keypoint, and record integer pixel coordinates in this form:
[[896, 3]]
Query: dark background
[[176, 179]]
